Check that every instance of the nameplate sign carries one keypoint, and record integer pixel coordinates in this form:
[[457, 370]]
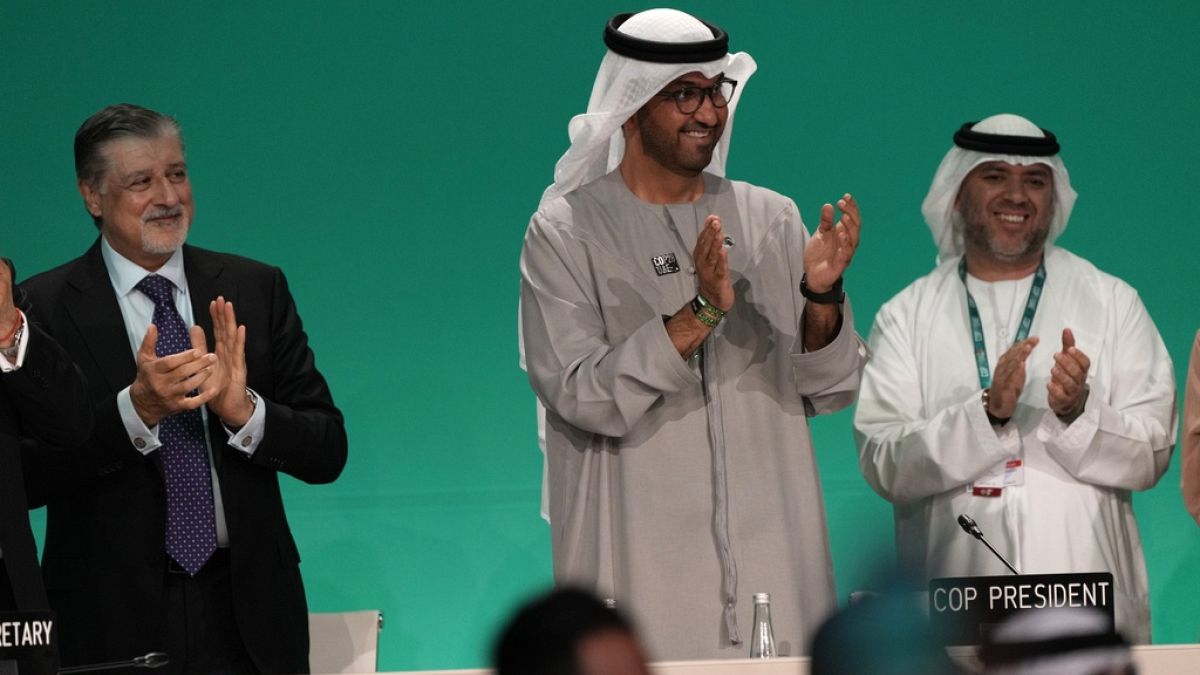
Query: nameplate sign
[[962, 609], [28, 640]]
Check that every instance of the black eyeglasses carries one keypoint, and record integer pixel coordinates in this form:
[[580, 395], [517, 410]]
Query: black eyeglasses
[[689, 99]]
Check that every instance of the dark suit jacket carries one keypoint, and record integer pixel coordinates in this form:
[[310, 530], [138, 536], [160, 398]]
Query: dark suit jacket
[[104, 553], [43, 408]]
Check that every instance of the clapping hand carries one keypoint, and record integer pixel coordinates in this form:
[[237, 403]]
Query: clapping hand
[[1009, 379], [1067, 390], [831, 248]]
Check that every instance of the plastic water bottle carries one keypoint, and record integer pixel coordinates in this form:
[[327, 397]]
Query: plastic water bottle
[[762, 646]]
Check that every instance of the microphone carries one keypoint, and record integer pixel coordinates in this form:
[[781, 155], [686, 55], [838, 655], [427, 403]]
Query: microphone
[[151, 660], [968, 525]]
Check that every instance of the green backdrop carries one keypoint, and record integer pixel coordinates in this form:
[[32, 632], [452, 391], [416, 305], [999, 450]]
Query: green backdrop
[[387, 155]]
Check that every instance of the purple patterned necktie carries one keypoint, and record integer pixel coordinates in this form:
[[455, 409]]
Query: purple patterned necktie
[[191, 524]]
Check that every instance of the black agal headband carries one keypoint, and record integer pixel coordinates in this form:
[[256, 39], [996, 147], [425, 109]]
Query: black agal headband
[[1005, 145], [665, 52]]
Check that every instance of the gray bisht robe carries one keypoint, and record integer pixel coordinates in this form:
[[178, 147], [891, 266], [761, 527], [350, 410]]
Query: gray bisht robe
[[680, 488]]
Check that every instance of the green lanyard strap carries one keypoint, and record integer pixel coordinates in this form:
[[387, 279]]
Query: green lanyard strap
[[1031, 305]]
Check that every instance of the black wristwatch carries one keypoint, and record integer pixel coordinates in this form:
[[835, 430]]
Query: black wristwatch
[[833, 296], [996, 421]]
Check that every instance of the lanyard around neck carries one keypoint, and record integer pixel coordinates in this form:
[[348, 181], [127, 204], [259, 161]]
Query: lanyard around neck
[[1031, 305]]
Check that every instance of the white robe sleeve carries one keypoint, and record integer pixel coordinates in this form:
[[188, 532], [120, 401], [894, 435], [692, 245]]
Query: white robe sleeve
[[828, 378], [906, 451], [595, 384], [1126, 433], [1189, 462]]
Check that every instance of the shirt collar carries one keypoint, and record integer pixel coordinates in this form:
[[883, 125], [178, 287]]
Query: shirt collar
[[125, 274]]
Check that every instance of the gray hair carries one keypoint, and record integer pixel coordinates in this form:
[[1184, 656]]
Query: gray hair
[[121, 120]]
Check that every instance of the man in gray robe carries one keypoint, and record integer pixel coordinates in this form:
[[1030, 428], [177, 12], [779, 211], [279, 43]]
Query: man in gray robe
[[680, 329]]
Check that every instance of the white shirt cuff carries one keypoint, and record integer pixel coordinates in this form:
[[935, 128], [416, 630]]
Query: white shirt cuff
[[246, 439], [8, 365], [144, 438]]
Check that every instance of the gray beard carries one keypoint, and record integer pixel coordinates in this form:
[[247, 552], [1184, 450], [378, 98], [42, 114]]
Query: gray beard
[[159, 242], [976, 237]]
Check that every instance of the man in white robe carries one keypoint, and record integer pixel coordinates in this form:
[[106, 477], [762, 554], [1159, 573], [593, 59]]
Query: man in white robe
[[1038, 412], [666, 332]]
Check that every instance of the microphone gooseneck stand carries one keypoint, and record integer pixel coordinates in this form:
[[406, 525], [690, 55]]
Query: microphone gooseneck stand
[[968, 525], [151, 660]]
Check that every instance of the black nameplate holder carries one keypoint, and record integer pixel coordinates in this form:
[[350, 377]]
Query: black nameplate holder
[[963, 609]]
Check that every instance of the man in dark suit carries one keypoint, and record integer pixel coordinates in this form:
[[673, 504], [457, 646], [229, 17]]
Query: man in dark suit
[[43, 407], [171, 536]]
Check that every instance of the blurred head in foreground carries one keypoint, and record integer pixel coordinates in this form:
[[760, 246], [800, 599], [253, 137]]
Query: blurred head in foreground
[[1062, 641], [881, 634], [568, 632]]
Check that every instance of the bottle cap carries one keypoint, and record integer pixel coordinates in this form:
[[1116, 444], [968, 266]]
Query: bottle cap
[[762, 598]]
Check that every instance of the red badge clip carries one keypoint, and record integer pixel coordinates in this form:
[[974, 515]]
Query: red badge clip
[[986, 491]]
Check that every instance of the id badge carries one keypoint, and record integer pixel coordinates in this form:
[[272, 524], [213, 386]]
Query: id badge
[[1014, 472], [992, 483]]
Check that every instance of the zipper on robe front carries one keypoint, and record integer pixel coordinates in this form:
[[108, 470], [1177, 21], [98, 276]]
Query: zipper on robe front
[[709, 381], [720, 478]]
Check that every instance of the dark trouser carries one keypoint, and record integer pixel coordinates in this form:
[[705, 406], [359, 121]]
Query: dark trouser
[[7, 599], [7, 603], [200, 634]]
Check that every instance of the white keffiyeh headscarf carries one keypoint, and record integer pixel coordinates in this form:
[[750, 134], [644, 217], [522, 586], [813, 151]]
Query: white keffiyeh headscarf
[[938, 207], [623, 85]]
